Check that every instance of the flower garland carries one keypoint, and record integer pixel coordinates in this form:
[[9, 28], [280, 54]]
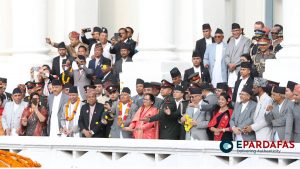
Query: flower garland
[[120, 119], [74, 110], [187, 123], [9, 159], [63, 77]]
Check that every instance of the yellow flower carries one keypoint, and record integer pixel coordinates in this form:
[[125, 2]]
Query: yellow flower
[[187, 123], [97, 122]]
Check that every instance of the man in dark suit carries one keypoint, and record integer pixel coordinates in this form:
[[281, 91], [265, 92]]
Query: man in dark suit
[[125, 51], [207, 39], [95, 37], [57, 61], [123, 38], [95, 64], [108, 75], [197, 67], [90, 117], [245, 80], [3, 94], [169, 127], [177, 78]]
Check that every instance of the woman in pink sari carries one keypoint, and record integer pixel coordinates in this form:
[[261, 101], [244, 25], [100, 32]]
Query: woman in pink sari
[[142, 129]]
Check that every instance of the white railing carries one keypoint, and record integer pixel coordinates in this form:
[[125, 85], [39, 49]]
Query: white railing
[[132, 153]]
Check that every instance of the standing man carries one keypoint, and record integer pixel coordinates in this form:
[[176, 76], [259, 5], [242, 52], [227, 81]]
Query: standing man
[[94, 39], [296, 114], [181, 106], [205, 41], [96, 62], [101, 97], [124, 51], [177, 78], [139, 87], [280, 115], [12, 113], [5, 95], [58, 60], [56, 102], [261, 128], [214, 59], [237, 45]]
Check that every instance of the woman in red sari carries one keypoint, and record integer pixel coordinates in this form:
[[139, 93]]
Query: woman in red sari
[[34, 118], [219, 124], [142, 129]]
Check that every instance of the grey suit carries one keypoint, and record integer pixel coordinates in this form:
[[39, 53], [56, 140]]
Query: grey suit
[[210, 102], [296, 114], [63, 100], [210, 59], [115, 129], [198, 132], [11, 119], [281, 121], [242, 119], [81, 80], [233, 53]]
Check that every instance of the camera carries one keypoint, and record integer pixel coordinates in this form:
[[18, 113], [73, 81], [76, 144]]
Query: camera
[[85, 30], [34, 101]]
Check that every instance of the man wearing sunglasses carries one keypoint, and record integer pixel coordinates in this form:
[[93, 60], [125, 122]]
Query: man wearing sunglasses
[[214, 59], [207, 39], [263, 54]]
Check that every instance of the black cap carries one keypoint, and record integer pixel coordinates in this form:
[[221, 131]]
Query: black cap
[[98, 81], [235, 26], [81, 57], [156, 84], [219, 31], [196, 55], [246, 65], [126, 90], [73, 89], [56, 82], [67, 86], [280, 90], [272, 83], [106, 62], [97, 29], [147, 85], [30, 85], [179, 88], [247, 90], [3, 80], [222, 85], [139, 81], [175, 72], [61, 45], [104, 30], [291, 85], [166, 84], [86, 87], [16, 91], [195, 90], [124, 46], [194, 76], [206, 26]]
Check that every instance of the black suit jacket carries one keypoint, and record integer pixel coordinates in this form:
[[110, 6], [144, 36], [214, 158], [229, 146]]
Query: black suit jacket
[[249, 83], [55, 65], [97, 70], [96, 126], [116, 49], [205, 77], [110, 77], [201, 46], [89, 41], [181, 111]]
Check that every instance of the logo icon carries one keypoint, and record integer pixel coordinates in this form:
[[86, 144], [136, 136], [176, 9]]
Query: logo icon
[[226, 146]]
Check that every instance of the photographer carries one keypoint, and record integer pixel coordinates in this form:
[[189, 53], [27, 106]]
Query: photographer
[[103, 40], [34, 117], [95, 36]]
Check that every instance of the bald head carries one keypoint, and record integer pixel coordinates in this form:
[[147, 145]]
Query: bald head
[[297, 93]]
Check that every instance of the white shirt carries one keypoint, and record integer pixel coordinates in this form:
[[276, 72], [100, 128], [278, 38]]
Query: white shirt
[[92, 49], [197, 69], [106, 52], [243, 82], [244, 105], [16, 106], [124, 107], [74, 123], [208, 41], [236, 41], [60, 63], [97, 60], [46, 89], [92, 109], [217, 70], [178, 102], [54, 127], [124, 60], [280, 105]]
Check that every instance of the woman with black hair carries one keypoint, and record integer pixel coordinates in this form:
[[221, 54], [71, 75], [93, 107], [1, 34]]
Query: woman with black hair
[[219, 124], [34, 118]]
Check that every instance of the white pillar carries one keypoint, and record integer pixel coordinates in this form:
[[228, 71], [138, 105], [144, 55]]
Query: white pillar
[[285, 67], [29, 27], [5, 27]]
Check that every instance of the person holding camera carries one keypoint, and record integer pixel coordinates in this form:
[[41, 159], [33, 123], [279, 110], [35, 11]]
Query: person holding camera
[[95, 36], [103, 40], [34, 118]]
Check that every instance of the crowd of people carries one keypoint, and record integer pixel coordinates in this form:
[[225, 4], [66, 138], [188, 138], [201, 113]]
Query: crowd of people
[[223, 96]]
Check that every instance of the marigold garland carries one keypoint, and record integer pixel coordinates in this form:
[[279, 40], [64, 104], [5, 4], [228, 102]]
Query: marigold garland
[[9, 159], [74, 110], [63, 77], [120, 119]]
